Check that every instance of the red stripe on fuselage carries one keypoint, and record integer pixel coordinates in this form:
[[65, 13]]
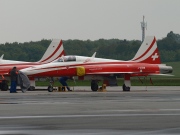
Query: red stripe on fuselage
[[93, 68], [91, 64]]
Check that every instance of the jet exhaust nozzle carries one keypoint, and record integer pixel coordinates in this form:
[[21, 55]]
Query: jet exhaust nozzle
[[166, 69]]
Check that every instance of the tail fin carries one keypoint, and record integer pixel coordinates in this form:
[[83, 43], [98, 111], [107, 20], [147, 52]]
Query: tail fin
[[54, 51], [148, 52]]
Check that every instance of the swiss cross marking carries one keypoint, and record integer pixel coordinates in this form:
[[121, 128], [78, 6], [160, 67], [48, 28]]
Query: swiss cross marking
[[154, 56]]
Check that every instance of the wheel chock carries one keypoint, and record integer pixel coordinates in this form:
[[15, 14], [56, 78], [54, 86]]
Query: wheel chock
[[103, 88], [62, 89]]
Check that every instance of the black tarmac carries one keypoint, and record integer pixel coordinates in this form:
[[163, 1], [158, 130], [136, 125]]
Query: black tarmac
[[142, 111]]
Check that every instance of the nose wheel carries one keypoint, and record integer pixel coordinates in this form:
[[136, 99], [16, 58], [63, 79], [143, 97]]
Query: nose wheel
[[31, 88], [50, 88]]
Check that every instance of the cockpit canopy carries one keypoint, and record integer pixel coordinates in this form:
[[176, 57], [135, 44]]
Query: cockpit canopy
[[66, 59]]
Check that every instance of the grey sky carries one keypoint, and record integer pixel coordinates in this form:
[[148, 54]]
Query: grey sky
[[33, 20]]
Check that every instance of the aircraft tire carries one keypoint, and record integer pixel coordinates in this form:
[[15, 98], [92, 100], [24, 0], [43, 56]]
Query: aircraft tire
[[125, 88], [50, 88], [94, 85], [4, 87], [31, 88]]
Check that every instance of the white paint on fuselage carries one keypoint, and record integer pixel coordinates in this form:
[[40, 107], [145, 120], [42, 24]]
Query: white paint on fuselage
[[61, 64]]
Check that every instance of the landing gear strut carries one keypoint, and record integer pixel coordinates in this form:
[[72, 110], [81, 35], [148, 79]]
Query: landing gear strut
[[50, 87], [94, 85], [125, 88]]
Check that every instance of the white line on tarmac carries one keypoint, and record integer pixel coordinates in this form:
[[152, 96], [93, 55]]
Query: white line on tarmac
[[78, 116], [136, 110]]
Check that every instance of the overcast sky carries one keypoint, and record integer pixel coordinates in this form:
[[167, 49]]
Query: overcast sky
[[33, 20]]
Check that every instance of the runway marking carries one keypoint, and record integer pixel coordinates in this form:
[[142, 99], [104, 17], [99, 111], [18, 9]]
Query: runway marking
[[137, 110], [77, 116]]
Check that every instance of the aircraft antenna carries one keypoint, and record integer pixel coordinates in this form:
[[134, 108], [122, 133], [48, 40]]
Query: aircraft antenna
[[143, 27]]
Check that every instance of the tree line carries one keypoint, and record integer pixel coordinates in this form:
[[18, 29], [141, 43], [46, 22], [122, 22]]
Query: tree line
[[169, 48]]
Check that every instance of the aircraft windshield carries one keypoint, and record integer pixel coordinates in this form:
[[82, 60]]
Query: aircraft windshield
[[66, 59], [60, 60]]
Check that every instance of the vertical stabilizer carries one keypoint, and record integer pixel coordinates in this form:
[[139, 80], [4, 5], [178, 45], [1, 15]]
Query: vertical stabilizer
[[54, 51], [148, 52], [2, 56]]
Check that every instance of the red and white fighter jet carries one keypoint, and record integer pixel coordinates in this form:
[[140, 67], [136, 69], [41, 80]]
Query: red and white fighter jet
[[54, 51], [146, 62]]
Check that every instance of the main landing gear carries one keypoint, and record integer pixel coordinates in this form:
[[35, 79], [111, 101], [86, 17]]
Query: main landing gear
[[125, 88], [94, 85], [4, 85]]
